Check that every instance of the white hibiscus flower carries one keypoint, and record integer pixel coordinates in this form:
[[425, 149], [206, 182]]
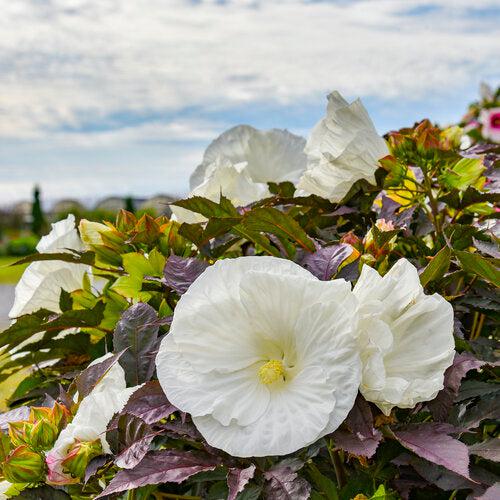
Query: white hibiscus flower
[[405, 337], [91, 420], [344, 147], [41, 283], [241, 162], [257, 347]]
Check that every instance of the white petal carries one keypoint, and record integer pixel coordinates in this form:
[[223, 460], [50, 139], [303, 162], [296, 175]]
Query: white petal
[[344, 147], [63, 236], [41, 283], [211, 393], [405, 337], [272, 156], [280, 430]]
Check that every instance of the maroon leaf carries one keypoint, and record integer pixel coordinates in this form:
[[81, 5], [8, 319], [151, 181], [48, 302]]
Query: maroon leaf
[[137, 331], [237, 479], [324, 263], [92, 375], [453, 376], [285, 484], [431, 442], [489, 449], [166, 466], [129, 437], [149, 403], [355, 445], [180, 272], [488, 408], [364, 438], [435, 474], [94, 465]]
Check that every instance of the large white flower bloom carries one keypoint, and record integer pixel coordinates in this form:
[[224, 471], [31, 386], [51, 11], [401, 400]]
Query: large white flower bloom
[[92, 418], [41, 283], [240, 163], [405, 337], [261, 354], [344, 147]]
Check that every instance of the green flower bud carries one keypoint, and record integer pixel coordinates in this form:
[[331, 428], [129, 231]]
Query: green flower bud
[[79, 455], [42, 435], [19, 432], [24, 466]]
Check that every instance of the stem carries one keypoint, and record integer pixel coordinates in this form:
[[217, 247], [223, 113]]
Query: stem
[[131, 495], [432, 202], [474, 323], [337, 465]]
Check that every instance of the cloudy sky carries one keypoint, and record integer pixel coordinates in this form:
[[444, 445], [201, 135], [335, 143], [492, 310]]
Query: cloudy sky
[[121, 97]]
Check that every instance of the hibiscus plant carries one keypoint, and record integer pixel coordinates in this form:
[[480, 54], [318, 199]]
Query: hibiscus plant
[[316, 320]]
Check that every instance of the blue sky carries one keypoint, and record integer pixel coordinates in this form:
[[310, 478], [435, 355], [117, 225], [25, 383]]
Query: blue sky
[[105, 97]]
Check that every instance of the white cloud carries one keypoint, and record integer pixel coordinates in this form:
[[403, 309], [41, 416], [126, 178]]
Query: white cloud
[[71, 62], [93, 92]]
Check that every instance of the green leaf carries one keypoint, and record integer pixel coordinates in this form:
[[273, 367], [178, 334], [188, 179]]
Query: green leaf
[[65, 301], [323, 484], [282, 189], [74, 257], [464, 173], [382, 237], [481, 266], [380, 494], [271, 220], [46, 321], [257, 238], [437, 267], [208, 208]]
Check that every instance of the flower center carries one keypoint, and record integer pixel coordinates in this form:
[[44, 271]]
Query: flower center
[[271, 372]]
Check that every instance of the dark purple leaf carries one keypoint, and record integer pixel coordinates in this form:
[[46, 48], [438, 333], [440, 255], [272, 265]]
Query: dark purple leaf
[[488, 408], [166, 466], [137, 331], [440, 476], [324, 263], [453, 376], [42, 493], [431, 442], [364, 438], [21, 413], [237, 479], [492, 493], [149, 403], [180, 272], [354, 445], [390, 213], [94, 465], [489, 449], [92, 375], [474, 388], [181, 430], [129, 438], [283, 482]]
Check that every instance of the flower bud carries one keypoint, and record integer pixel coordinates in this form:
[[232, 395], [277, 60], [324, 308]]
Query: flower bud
[[24, 466], [79, 455], [42, 435], [370, 245], [19, 432]]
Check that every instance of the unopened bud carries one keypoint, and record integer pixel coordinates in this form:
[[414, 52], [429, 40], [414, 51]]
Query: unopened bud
[[79, 455], [24, 465]]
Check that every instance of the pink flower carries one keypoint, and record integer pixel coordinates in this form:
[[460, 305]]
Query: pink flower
[[490, 119]]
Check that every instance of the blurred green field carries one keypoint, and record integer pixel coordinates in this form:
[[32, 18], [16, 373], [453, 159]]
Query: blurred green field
[[10, 275]]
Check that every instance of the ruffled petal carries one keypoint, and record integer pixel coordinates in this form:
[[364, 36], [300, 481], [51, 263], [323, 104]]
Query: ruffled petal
[[280, 430]]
